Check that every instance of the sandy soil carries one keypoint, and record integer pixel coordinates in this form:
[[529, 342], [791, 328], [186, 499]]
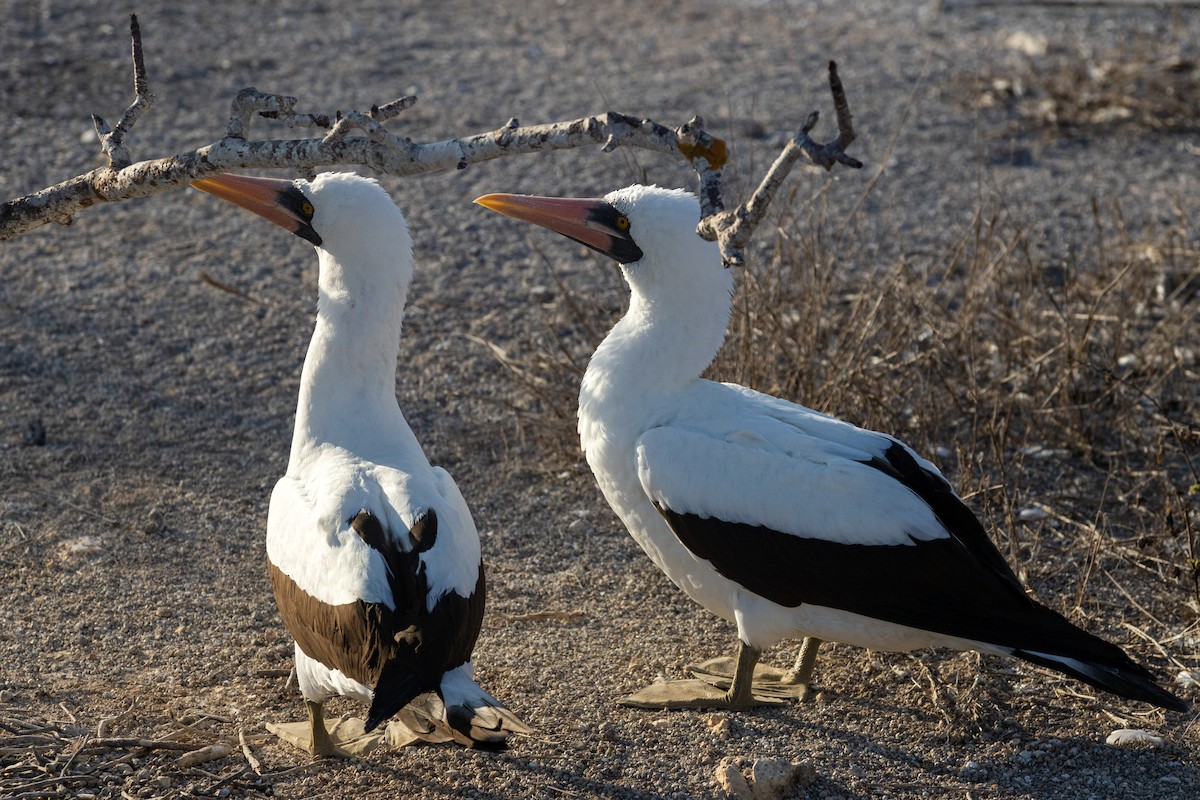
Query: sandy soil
[[131, 543]]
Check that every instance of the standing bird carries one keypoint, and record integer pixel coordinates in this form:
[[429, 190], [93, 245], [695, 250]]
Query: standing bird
[[372, 552], [782, 520]]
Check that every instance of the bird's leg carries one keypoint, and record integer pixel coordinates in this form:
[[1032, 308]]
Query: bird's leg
[[740, 694], [322, 742], [769, 681], [345, 739], [800, 675]]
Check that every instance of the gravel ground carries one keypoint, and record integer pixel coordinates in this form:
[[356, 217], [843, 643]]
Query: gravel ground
[[131, 543]]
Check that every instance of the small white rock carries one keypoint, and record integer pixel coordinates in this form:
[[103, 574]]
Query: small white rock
[[1187, 679], [731, 781], [774, 778], [1031, 44], [1128, 360], [1032, 514], [1132, 737]]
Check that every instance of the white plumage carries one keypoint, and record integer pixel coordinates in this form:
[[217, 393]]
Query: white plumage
[[782, 520], [372, 551]]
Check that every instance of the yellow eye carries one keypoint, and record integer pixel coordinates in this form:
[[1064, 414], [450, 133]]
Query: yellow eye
[[306, 208], [623, 222]]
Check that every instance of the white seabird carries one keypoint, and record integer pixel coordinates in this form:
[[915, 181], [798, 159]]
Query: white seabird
[[782, 520], [372, 552]]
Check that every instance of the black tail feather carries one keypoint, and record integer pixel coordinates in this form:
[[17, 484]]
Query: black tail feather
[[1127, 679], [392, 693], [1053, 642]]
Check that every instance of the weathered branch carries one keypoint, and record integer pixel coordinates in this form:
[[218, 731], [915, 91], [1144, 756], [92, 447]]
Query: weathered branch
[[113, 140], [354, 137], [733, 229], [375, 147]]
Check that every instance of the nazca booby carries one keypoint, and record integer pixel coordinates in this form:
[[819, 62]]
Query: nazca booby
[[372, 552], [782, 520]]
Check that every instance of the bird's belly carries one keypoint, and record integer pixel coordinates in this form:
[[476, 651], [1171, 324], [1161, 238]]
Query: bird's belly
[[763, 623], [696, 577]]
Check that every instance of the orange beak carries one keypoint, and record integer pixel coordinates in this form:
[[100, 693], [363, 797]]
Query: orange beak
[[277, 200], [594, 223]]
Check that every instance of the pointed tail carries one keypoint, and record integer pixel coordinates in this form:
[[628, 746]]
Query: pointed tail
[[1075, 652], [396, 687], [1128, 679]]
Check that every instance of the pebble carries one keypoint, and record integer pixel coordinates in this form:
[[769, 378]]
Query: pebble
[[778, 777], [1132, 737], [730, 780], [717, 724]]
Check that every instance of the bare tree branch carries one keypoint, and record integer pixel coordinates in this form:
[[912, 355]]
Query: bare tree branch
[[733, 229], [355, 137]]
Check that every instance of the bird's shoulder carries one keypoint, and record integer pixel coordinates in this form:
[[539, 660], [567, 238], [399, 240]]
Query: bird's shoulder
[[746, 457], [320, 496], [746, 418]]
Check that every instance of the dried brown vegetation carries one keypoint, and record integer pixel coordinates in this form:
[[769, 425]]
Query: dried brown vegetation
[[1151, 82]]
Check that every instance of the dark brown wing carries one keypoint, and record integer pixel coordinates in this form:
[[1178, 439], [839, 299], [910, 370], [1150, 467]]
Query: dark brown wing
[[401, 652]]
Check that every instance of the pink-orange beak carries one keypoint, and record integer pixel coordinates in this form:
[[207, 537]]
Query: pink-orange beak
[[592, 222], [278, 200]]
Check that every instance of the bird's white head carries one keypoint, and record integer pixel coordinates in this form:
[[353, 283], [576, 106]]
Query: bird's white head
[[681, 292], [361, 236], [649, 230]]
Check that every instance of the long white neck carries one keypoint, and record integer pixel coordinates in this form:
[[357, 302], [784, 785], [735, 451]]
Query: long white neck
[[659, 347], [348, 385]]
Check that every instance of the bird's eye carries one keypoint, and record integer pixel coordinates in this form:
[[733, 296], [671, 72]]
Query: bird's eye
[[623, 222], [306, 208]]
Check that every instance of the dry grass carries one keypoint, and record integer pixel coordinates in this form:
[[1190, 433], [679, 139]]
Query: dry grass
[[1151, 82]]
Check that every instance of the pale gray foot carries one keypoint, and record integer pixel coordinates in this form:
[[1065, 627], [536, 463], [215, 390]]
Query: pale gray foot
[[345, 739], [738, 694]]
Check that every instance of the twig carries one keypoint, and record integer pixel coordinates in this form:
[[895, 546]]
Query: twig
[[224, 287], [148, 744], [272, 673], [71, 758], [254, 763], [54, 781], [202, 755], [212, 787], [113, 140], [102, 727], [378, 149], [1135, 603], [733, 229]]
